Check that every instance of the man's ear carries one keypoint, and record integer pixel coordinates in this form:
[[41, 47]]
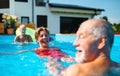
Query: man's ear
[[102, 42]]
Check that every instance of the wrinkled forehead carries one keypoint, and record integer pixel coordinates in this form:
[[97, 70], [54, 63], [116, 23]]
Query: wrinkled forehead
[[83, 28], [88, 25]]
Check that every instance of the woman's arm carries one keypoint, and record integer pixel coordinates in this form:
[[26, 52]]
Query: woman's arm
[[18, 52]]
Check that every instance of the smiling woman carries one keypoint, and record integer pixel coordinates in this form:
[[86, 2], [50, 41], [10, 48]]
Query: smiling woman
[[43, 39]]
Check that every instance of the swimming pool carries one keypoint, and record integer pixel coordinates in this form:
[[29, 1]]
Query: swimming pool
[[30, 64]]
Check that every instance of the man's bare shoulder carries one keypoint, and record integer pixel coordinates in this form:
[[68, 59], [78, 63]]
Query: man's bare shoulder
[[74, 67], [82, 70], [73, 70]]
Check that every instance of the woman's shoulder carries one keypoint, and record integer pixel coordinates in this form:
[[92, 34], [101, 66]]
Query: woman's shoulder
[[37, 49], [41, 49]]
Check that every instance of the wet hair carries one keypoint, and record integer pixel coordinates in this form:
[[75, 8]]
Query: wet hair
[[37, 32], [103, 28]]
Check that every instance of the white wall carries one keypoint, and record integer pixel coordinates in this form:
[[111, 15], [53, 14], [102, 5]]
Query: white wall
[[54, 23], [4, 10], [53, 19], [12, 7], [24, 9]]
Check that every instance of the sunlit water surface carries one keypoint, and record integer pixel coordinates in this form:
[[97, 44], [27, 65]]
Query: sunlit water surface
[[30, 64]]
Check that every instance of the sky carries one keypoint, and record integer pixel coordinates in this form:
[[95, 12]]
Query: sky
[[111, 7]]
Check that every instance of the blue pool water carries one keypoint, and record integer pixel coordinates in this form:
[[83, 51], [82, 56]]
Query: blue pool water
[[30, 64]]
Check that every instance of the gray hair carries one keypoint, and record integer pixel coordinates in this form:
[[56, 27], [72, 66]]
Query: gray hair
[[104, 29]]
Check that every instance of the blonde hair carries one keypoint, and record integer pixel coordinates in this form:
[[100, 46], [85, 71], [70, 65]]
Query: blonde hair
[[37, 32]]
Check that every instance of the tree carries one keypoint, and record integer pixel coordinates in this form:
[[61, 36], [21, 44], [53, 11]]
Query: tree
[[104, 17], [116, 28]]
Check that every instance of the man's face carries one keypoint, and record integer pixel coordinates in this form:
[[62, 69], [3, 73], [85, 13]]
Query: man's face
[[22, 30], [85, 44]]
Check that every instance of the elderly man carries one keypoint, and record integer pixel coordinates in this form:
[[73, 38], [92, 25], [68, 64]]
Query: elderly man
[[23, 38], [93, 43]]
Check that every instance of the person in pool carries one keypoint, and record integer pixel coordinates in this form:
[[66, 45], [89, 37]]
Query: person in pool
[[54, 54], [23, 38], [43, 39], [93, 50]]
